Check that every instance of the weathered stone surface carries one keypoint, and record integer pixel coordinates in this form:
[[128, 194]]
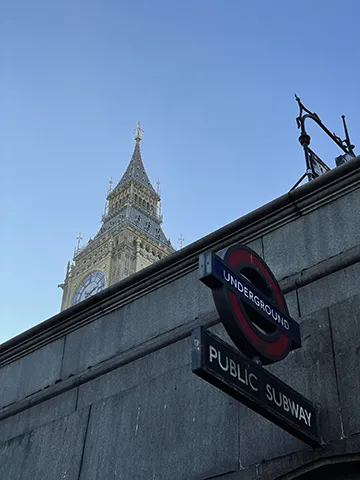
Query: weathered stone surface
[[292, 304], [308, 370], [275, 468], [307, 465], [175, 426], [40, 414], [322, 233], [329, 290], [138, 372], [345, 323], [12, 457], [219, 330], [281, 466], [52, 451], [257, 246], [147, 317], [31, 373]]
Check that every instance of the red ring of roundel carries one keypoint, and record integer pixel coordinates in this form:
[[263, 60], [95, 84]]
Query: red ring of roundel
[[270, 349]]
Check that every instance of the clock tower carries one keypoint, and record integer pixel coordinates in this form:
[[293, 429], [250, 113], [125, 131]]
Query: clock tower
[[130, 238]]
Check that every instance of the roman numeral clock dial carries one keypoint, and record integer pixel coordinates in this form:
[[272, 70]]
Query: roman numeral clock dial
[[93, 283]]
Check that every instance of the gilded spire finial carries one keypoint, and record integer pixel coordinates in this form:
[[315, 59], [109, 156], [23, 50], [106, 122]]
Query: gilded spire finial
[[138, 133]]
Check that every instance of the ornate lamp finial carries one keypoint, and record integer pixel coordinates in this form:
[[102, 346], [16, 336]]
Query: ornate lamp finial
[[138, 132]]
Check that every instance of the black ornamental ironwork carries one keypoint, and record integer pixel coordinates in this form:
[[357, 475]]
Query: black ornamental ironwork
[[314, 165]]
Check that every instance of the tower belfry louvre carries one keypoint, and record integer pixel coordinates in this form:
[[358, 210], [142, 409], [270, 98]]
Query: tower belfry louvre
[[130, 238]]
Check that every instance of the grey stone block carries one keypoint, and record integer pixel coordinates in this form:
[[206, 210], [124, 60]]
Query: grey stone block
[[38, 415], [292, 304], [280, 467], [345, 323], [157, 312], [276, 468], [249, 473], [261, 440], [309, 464], [175, 426], [12, 457], [315, 236], [329, 290], [345, 446], [93, 343], [219, 330], [257, 246], [308, 370], [52, 451], [31, 373], [136, 373]]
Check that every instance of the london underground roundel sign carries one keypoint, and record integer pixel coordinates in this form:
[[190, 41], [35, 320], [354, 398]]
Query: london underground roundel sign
[[250, 303]]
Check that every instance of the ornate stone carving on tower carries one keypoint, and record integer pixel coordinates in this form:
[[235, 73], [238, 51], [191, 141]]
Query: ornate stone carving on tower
[[129, 239]]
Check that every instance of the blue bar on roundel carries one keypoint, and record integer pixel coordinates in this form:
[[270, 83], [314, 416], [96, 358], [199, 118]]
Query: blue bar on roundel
[[253, 297]]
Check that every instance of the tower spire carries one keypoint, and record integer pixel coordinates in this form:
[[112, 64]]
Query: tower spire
[[138, 133], [136, 171]]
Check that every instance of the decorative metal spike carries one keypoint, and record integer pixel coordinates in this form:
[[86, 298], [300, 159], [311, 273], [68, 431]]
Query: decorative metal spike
[[347, 137]]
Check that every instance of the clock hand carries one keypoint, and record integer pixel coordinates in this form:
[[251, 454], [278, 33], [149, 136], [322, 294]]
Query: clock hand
[[87, 294], [90, 293]]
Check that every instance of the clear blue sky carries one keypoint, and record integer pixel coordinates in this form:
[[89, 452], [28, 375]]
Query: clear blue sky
[[213, 85]]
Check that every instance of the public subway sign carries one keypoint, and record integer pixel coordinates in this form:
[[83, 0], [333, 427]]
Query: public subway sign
[[241, 378], [254, 313]]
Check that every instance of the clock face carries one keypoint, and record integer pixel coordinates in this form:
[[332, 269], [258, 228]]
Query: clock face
[[91, 284]]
